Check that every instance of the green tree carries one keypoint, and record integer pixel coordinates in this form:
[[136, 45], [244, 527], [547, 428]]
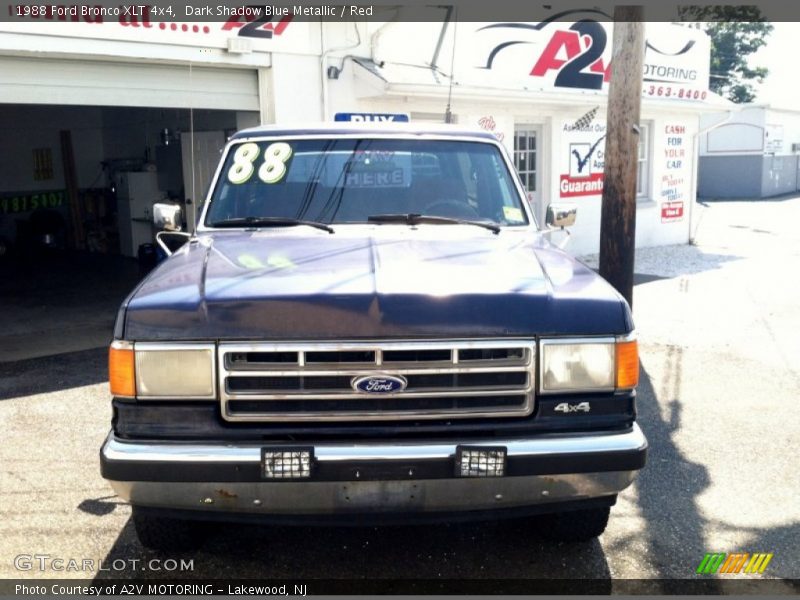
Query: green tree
[[736, 32]]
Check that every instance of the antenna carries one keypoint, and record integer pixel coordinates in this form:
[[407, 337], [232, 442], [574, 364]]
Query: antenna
[[448, 114], [192, 225]]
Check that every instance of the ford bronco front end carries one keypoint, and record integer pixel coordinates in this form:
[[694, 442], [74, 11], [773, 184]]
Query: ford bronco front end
[[368, 324]]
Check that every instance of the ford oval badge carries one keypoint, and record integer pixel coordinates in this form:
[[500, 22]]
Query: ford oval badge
[[380, 384]]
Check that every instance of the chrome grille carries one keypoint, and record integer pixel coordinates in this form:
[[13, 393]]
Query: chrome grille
[[314, 381]]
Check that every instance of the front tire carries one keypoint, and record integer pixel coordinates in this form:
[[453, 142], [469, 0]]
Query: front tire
[[163, 533], [574, 526]]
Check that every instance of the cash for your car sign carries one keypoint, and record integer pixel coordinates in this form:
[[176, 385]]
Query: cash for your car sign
[[583, 159], [677, 172]]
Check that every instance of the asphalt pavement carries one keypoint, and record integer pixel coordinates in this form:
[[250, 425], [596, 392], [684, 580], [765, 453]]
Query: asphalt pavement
[[719, 328]]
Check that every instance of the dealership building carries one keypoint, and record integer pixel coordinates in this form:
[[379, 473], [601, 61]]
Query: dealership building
[[102, 116]]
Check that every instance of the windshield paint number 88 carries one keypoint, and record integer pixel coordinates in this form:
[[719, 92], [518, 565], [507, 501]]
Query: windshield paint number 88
[[272, 170]]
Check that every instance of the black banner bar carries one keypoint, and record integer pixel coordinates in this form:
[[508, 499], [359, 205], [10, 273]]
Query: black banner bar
[[317, 587], [146, 12]]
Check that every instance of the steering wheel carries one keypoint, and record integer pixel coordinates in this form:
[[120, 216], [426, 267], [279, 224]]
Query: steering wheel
[[451, 208]]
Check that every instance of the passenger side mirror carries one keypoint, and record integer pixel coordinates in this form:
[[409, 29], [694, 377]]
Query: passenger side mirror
[[167, 217], [561, 215]]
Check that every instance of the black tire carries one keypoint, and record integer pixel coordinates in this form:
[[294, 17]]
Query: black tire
[[162, 533], [574, 526]]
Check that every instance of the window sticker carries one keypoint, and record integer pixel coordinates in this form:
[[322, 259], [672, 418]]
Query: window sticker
[[272, 170], [242, 169], [378, 169], [513, 214], [275, 158]]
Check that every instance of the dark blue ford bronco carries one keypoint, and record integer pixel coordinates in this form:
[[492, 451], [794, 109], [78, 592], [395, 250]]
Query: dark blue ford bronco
[[368, 323]]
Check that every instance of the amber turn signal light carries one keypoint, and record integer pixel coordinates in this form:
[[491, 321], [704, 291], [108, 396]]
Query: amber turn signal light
[[121, 370], [627, 364]]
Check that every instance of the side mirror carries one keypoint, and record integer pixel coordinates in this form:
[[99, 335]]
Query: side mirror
[[561, 215], [167, 217]]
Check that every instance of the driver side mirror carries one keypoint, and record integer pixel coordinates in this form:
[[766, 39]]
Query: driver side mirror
[[167, 217], [561, 215]]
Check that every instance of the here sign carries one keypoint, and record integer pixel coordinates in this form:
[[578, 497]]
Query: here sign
[[372, 117]]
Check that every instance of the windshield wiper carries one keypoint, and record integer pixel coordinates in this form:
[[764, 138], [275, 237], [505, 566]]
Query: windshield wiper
[[417, 219], [270, 222]]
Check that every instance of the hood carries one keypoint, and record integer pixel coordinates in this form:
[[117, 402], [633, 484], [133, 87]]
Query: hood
[[370, 282]]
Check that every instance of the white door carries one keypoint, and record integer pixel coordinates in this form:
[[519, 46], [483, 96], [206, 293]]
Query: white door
[[526, 160], [200, 152]]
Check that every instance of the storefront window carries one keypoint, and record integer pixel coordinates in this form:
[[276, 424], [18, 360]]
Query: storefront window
[[525, 157], [643, 172]]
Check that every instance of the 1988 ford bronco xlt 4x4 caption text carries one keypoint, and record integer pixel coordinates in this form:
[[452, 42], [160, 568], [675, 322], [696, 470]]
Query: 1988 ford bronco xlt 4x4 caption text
[[369, 321]]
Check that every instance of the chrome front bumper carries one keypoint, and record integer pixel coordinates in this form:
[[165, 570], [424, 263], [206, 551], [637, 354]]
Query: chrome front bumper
[[226, 478]]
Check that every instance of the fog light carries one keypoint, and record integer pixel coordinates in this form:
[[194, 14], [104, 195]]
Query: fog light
[[480, 461], [294, 463]]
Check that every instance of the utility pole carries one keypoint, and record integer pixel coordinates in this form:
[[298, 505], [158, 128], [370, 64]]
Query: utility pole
[[618, 219]]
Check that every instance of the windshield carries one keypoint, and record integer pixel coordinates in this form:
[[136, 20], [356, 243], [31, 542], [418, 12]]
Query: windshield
[[351, 180]]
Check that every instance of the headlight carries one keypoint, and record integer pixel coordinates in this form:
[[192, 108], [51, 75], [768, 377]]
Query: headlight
[[154, 370], [592, 365]]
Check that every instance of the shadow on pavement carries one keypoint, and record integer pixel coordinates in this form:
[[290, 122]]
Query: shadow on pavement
[[100, 507], [640, 278], [62, 302], [53, 373], [61, 278], [668, 491], [684, 261], [505, 550], [670, 484], [677, 261]]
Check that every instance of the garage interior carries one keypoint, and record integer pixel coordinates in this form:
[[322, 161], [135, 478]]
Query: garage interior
[[77, 186]]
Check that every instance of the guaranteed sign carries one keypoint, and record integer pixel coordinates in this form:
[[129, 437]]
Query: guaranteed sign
[[583, 159]]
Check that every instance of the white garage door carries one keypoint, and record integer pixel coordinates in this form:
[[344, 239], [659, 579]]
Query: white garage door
[[53, 81]]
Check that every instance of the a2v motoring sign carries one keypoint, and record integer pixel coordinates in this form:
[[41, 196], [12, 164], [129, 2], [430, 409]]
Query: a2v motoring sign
[[576, 57]]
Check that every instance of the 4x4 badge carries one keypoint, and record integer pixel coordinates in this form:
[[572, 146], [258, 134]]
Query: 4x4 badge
[[565, 407]]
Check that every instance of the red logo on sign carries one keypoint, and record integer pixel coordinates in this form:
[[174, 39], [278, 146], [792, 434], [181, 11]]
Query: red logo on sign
[[671, 211], [576, 54], [581, 186]]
